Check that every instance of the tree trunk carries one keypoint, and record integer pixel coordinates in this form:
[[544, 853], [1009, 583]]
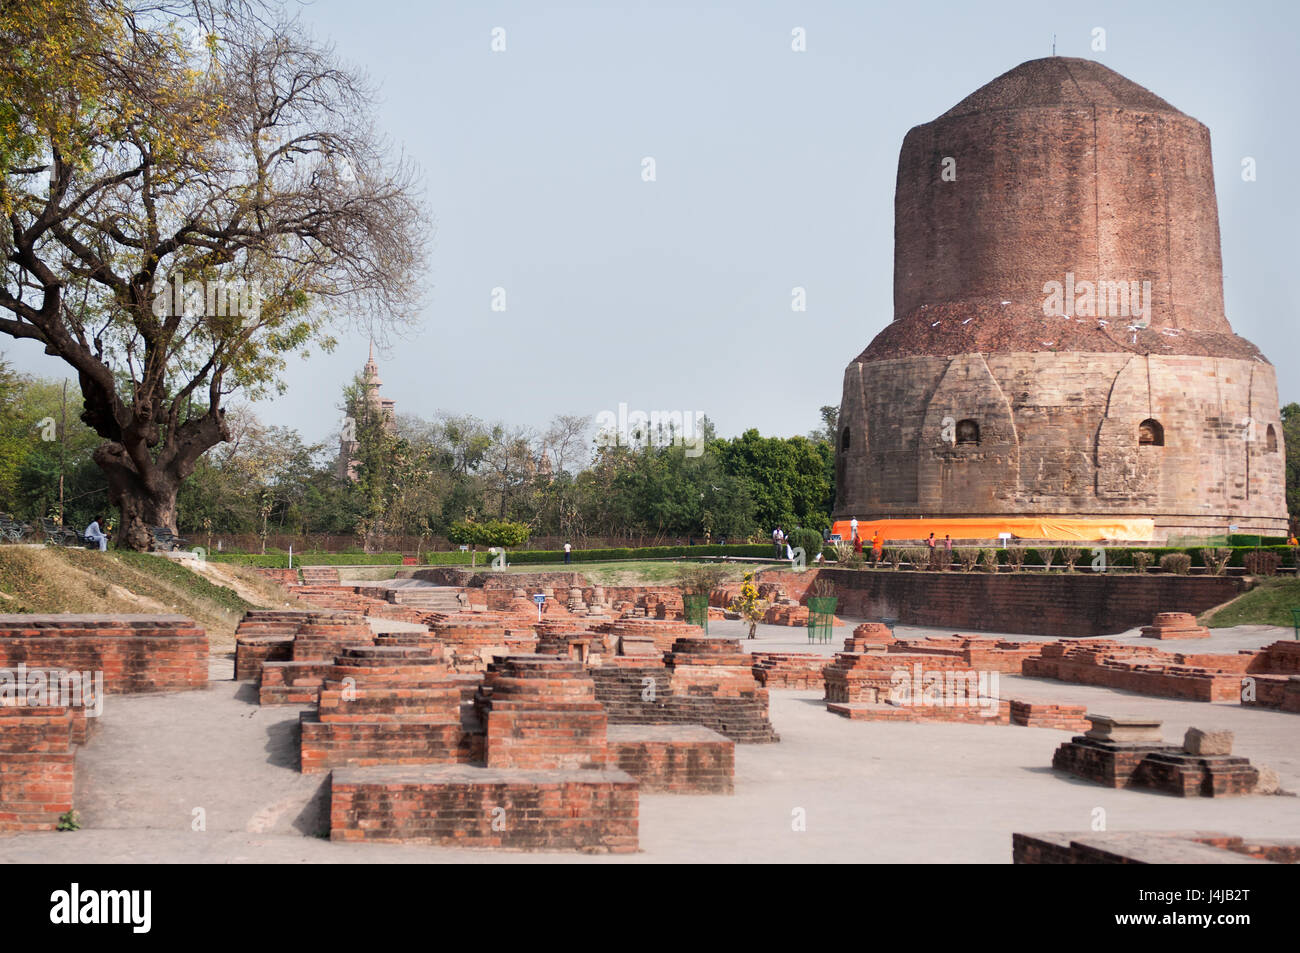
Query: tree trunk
[[143, 503]]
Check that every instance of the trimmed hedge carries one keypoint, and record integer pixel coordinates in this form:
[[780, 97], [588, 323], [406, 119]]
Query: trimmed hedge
[[516, 557], [281, 560], [1263, 542], [519, 557]]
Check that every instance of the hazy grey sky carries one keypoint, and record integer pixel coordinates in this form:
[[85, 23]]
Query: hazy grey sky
[[775, 169]]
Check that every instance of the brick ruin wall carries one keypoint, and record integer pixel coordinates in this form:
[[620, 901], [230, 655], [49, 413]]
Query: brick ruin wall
[[68, 654], [1150, 847], [1084, 604], [136, 653]]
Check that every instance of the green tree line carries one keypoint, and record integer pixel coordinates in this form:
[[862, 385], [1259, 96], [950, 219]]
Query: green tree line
[[417, 477]]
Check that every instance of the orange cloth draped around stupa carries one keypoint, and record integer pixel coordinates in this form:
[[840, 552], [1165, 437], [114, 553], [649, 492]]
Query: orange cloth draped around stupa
[[1027, 527]]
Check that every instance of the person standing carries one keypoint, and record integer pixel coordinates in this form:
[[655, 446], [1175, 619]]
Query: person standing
[[778, 542], [877, 547], [95, 534], [853, 527], [568, 554]]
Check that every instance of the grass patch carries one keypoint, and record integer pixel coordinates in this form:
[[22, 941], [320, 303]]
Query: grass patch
[[175, 575], [1269, 603], [631, 572], [41, 579]]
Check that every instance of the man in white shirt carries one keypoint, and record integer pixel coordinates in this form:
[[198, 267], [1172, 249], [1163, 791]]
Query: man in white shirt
[[568, 554], [95, 534], [853, 529]]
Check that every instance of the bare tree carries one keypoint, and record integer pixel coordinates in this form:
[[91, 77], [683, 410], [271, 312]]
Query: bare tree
[[566, 439], [190, 199]]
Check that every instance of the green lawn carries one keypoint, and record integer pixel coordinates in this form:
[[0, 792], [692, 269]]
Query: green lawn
[[1269, 603], [630, 571]]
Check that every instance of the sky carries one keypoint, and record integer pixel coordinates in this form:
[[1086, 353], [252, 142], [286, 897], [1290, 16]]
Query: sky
[[774, 170]]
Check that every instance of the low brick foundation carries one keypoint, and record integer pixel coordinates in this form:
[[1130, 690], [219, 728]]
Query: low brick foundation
[[543, 784], [463, 806], [789, 669], [37, 767], [1149, 847], [664, 633], [1084, 604], [1039, 715], [284, 577], [320, 576], [136, 653], [1175, 625], [266, 635], [980, 712], [1140, 668], [684, 759], [389, 705], [874, 677], [540, 713], [1160, 767]]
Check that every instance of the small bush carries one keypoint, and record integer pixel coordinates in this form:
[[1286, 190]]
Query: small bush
[[809, 539], [1016, 558], [917, 556], [697, 580], [1070, 555], [989, 558], [1216, 560], [1047, 557], [894, 556], [846, 557], [1262, 563], [1142, 560], [968, 558], [1180, 564]]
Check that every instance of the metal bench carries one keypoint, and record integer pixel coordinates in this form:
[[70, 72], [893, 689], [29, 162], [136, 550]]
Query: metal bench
[[12, 530], [165, 541]]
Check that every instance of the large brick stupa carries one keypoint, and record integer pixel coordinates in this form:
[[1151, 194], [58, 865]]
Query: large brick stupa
[[1059, 350]]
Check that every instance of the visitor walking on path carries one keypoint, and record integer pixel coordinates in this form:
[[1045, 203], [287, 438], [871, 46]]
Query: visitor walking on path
[[95, 534]]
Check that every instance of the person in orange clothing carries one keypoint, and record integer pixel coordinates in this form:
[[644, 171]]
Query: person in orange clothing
[[877, 546]]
